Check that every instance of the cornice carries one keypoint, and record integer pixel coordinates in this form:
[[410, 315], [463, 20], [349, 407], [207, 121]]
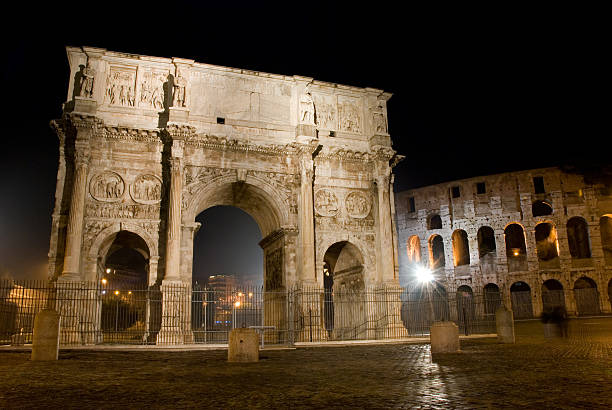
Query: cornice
[[129, 134], [277, 234], [226, 144]]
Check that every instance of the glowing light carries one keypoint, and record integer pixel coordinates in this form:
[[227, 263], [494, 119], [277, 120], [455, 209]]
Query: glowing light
[[108, 270], [516, 253], [237, 304], [104, 292], [239, 294], [250, 294], [104, 281], [130, 292], [116, 292], [423, 274]]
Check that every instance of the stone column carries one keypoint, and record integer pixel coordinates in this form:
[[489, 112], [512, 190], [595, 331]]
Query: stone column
[[385, 257], [176, 294], [394, 231], [173, 244], [306, 211], [74, 233]]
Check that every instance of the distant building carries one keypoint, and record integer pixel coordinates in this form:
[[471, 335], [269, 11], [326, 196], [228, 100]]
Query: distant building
[[539, 238]]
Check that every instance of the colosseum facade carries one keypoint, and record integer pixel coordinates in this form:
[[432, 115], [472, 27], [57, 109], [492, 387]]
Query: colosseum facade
[[540, 238]]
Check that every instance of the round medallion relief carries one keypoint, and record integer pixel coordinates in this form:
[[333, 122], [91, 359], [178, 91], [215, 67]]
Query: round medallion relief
[[357, 204], [326, 202], [146, 189], [107, 186]]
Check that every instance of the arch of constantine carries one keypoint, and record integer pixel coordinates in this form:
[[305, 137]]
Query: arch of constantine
[[147, 143]]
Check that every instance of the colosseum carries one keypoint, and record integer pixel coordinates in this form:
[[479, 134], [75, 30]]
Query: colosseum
[[538, 238]]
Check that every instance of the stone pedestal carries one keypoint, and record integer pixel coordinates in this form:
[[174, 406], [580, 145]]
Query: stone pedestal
[[243, 346], [504, 322], [45, 342], [83, 105], [444, 337], [178, 114]]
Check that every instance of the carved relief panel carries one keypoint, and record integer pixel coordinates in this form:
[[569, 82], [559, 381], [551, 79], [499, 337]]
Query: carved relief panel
[[349, 115], [358, 204], [152, 94], [146, 189], [343, 209], [325, 202], [326, 111], [274, 269], [121, 87], [107, 187]]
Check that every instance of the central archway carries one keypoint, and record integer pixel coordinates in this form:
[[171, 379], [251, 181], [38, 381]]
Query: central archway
[[344, 312], [265, 204], [271, 210]]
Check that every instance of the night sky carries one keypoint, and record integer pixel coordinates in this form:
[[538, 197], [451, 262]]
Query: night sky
[[476, 91]]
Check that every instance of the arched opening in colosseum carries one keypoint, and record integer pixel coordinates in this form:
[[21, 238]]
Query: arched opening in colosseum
[[520, 297], [436, 252], [541, 208], [413, 249], [586, 296], [343, 309], [578, 238], [435, 222], [492, 298], [516, 250], [487, 250], [461, 248], [466, 309], [127, 312], [605, 228], [547, 245], [552, 295]]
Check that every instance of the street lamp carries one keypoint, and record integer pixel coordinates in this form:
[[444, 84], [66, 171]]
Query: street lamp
[[423, 274]]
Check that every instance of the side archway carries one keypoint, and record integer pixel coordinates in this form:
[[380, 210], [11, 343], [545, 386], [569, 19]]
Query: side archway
[[344, 306]]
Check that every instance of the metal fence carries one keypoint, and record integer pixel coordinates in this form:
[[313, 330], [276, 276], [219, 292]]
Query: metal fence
[[94, 313]]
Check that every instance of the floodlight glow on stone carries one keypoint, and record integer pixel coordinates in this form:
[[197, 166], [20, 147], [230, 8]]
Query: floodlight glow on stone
[[424, 275]]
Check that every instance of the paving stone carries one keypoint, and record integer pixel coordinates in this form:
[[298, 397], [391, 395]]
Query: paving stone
[[533, 373]]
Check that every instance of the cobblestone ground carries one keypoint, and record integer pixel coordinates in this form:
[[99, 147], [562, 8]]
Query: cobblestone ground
[[534, 373]]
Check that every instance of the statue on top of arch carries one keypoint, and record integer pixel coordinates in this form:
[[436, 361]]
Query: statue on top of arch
[[87, 81], [179, 95]]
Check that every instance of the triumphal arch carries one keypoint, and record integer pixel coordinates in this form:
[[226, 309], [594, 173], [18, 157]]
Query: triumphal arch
[[147, 143]]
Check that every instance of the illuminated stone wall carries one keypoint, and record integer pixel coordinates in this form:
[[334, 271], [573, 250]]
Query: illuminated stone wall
[[563, 226]]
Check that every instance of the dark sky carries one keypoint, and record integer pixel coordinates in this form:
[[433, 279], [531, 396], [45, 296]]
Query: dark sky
[[476, 90]]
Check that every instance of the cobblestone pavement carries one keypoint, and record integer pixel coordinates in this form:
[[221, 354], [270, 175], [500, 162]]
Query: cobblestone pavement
[[533, 373]]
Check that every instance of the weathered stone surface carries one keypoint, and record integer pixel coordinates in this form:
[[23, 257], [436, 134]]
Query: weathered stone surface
[[444, 337], [504, 323], [45, 341], [147, 143], [243, 346], [530, 226]]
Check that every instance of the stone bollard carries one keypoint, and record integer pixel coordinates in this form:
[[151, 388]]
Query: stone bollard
[[444, 337], [243, 346], [45, 341], [504, 322]]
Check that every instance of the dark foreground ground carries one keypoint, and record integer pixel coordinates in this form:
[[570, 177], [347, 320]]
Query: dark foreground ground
[[534, 373]]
